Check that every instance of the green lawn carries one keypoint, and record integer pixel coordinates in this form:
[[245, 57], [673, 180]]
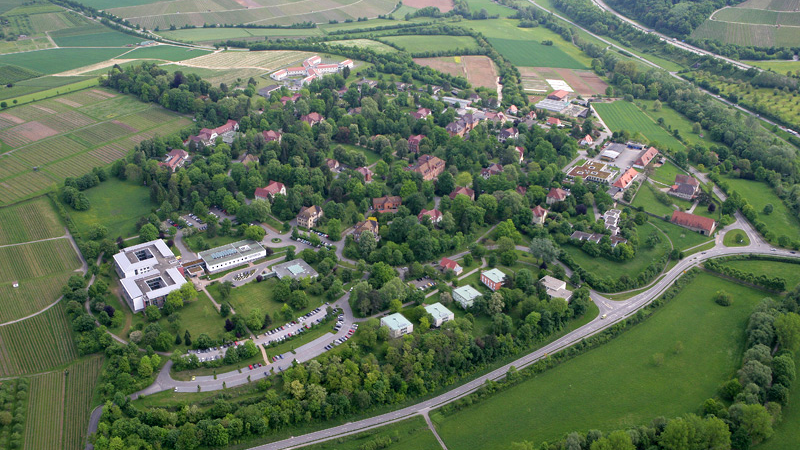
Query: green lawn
[[730, 241], [492, 8], [677, 121], [622, 115], [788, 271], [419, 44], [681, 237], [115, 204], [666, 173], [253, 295], [60, 59], [216, 241], [617, 385], [608, 268], [372, 157], [646, 199], [781, 221], [410, 434]]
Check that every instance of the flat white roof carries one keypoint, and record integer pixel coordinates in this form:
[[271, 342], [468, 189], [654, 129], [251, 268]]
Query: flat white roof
[[495, 275], [395, 321], [468, 292], [438, 311]]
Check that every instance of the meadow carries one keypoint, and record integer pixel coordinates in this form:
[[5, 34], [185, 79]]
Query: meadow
[[43, 87], [787, 433], [58, 60], [645, 198], [365, 43], [116, 205], [681, 237], [492, 8], [788, 271], [29, 221], [166, 52], [254, 295], [781, 222], [37, 344], [676, 121], [583, 394], [197, 35], [409, 434], [622, 115], [607, 268], [666, 173], [421, 44], [68, 135]]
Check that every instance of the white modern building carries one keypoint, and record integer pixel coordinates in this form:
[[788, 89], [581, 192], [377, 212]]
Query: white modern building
[[556, 288], [440, 314], [148, 273], [465, 296], [231, 255], [398, 325]]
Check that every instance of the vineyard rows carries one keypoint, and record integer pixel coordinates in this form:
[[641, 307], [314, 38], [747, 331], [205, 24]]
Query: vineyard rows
[[45, 412], [81, 383], [31, 296], [29, 221], [37, 259], [36, 344], [40, 153]]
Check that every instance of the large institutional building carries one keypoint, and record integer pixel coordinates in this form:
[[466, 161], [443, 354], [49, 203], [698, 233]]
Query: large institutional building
[[148, 273], [312, 68], [232, 255]]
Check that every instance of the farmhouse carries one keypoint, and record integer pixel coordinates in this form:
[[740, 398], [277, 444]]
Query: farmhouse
[[700, 224], [685, 187], [494, 169], [592, 171], [430, 167], [555, 288], [539, 214], [463, 190], [398, 325], [644, 158], [295, 269], [148, 272], [434, 214], [493, 279], [232, 255], [309, 216], [559, 95], [626, 179], [273, 188], [448, 264], [208, 136], [556, 195], [388, 204], [366, 173], [175, 159], [465, 296], [414, 141], [270, 136], [367, 225], [440, 314]]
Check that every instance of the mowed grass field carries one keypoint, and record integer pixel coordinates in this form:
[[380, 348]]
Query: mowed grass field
[[37, 344], [49, 140], [29, 221], [781, 221], [410, 434], [40, 269], [116, 205], [59, 406], [788, 271], [622, 115], [420, 44], [617, 385]]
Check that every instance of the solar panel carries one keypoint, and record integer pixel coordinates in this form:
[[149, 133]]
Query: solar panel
[[223, 253]]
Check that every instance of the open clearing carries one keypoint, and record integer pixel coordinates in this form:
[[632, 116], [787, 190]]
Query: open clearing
[[116, 205], [365, 43], [578, 395], [787, 271], [163, 14], [478, 70], [49, 140], [622, 115]]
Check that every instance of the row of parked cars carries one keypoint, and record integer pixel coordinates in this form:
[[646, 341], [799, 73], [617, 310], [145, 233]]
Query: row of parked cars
[[319, 233], [339, 325]]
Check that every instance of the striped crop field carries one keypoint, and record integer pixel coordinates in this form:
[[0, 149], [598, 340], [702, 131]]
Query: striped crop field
[[37, 344], [267, 60], [29, 221], [622, 115], [45, 412], [37, 259], [80, 385]]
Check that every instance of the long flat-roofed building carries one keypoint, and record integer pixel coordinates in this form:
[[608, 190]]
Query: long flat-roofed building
[[231, 255], [148, 272]]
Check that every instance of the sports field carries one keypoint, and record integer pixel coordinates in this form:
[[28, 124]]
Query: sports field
[[622, 115], [163, 14], [37, 344], [66, 136], [420, 44], [584, 393]]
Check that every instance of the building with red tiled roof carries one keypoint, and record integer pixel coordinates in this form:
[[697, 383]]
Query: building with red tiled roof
[[626, 179], [421, 113], [312, 118], [556, 195], [559, 95], [434, 214], [448, 264], [645, 156], [587, 140], [508, 133], [430, 167], [273, 188], [554, 121], [462, 190], [388, 204], [175, 159], [494, 169], [332, 164], [521, 152], [367, 225], [539, 214], [414, 141], [700, 224], [207, 136], [270, 135], [366, 173]]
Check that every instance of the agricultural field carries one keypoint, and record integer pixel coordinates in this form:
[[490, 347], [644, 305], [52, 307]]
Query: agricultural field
[[163, 14], [365, 43], [622, 115], [37, 344], [421, 44], [607, 268], [66, 136], [442, 5], [478, 70], [116, 205], [79, 390], [492, 8], [753, 23], [410, 434], [576, 395], [29, 221], [165, 52], [263, 60], [46, 86], [59, 60], [210, 35], [676, 121], [781, 222]]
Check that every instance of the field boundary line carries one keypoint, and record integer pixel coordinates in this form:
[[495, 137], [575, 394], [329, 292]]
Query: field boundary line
[[32, 242]]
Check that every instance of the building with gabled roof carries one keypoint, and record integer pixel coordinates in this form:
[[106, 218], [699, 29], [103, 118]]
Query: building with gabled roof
[[366, 173], [367, 225], [700, 224], [644, 158], [626, 179], [175, 159], [414, 141], [309, 216], [539, 214], [559, 95], [520, 152], [312, 118], [430, 167], [273, 188], [462, 190], [508, 133], [685, 187], [556, 195], [587, 141], [388, 204], [448, 264], [271, 135], [493, 169], [434, 214], [208, 136], [421, 113]]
